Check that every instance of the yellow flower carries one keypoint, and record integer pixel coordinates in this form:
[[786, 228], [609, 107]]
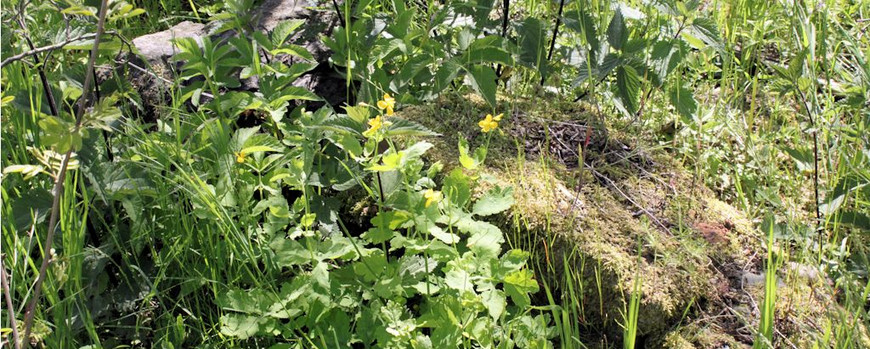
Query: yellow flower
[[432, 196], [387, 103], [240, 157], [490, 122], [374, 125]]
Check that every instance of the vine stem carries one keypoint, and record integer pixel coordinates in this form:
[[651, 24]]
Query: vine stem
[[61, 176]]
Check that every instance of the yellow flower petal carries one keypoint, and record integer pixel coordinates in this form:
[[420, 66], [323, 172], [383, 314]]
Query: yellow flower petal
[[487, 124], [374, 125], [498, 117], [432, 197], [240, 157]]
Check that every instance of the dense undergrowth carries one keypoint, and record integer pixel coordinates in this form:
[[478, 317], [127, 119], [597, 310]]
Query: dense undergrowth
[[505, 174]]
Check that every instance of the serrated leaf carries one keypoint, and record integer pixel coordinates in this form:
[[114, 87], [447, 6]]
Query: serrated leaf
[[245, 326], [483, 80], [296, 93], [487, 50], [294, 50], [628, 87], [705, 29], [283, 30], [446, 73], [289, 253], [666, 55], [684, 101], [617, 35], [405, 127]]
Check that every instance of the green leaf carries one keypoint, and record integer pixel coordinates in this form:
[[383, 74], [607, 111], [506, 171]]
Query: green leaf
[[445, 237], [533, 44], [246, 326], [617, 35], [705, 29], [518, 285], [628, 87], [389, 162], [495, 302], [283, 30], [459, 279], [666, 55], [295, 93], [445, 75], [255, 301], [294, 50], [468, 161], [289, 253], [485, 240], [496, 200], [405, 127], [483, 80], [857, 219], [487, 50], [684, 101]]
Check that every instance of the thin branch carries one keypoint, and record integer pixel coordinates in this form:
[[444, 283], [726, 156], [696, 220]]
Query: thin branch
[[641, 208], [555, 35], [506, 9], [42, 49], [59, 182], [5, 284]]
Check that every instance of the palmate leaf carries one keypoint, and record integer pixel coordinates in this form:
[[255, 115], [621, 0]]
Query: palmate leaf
[[496, 200], [628, 87]]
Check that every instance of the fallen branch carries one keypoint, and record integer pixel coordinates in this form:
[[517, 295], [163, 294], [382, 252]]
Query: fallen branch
[[42, 49], [639, 207]]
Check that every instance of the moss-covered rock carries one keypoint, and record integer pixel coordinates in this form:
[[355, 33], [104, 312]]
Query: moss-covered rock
[[606, 215]]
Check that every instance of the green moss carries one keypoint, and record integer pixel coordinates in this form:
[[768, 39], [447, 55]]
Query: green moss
[[634, 213]]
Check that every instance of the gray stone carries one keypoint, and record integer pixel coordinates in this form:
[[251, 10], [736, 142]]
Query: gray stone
[[158, 46]]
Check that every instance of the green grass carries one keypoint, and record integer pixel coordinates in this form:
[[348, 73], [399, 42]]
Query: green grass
[[158, 222]]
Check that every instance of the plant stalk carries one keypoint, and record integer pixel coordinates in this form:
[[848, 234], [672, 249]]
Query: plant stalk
[[9, 308], [61, 176]]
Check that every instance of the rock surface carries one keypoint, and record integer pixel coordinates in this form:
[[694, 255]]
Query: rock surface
[[158, 46], [152, 71]]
